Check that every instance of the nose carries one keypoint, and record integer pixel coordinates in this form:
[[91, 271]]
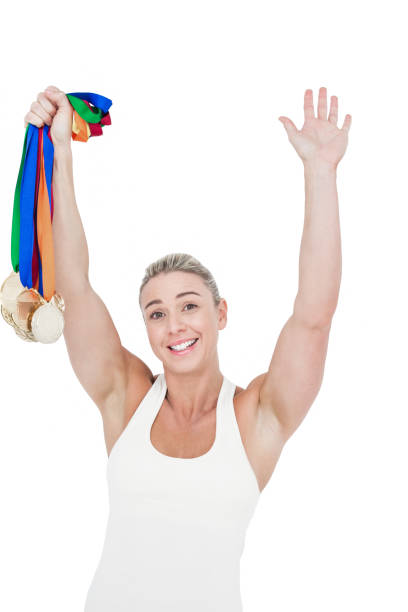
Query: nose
[[175, 323]]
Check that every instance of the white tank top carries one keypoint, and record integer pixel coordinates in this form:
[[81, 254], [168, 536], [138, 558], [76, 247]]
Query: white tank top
[[176, 526]]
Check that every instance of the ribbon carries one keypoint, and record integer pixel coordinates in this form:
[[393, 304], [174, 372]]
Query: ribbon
[[32, 247]]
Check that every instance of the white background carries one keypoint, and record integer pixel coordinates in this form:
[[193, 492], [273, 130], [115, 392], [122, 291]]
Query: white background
[[197, 161]]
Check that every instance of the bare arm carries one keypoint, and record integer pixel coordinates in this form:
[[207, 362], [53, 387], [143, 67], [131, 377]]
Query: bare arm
[[295, 373], [95, 350], [70, 244], [93, 343]]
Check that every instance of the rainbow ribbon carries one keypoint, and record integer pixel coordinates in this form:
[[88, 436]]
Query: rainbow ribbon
[[32, 251]]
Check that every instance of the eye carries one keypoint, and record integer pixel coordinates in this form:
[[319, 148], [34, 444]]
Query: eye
[[153, 313], [159, 312]]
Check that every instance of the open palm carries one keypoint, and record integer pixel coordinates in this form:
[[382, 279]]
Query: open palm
[[319, 140]]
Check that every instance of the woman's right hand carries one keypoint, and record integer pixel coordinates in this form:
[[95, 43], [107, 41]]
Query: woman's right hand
[[52, 108]]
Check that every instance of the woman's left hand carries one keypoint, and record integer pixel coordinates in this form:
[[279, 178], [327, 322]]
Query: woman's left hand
[[319, 141]]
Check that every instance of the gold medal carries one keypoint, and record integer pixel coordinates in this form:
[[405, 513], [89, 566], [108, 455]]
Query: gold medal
[[33, 318], [47, 323], [26, 303], [9, 291]]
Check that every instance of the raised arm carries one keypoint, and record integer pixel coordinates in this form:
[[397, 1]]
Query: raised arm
[[295, 373], [95, 350]]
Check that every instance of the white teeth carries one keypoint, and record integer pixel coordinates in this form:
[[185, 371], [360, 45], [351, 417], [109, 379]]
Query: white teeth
[[181, 347]]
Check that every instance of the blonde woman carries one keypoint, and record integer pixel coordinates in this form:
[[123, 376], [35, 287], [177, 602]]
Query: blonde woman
[[189, 451]]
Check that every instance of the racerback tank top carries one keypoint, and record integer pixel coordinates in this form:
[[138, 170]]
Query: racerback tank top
[[176, 526]]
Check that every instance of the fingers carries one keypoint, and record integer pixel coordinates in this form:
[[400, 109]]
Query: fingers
[[37, 116], [48, 105], [322, 108], [33, 118], [52, 88], [308, 105], [289, 126], [44, 108], [322, 103], [334, 110], [38, 109], [346, 123]]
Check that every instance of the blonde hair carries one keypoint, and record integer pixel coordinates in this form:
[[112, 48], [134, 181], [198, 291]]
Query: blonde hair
[[181, 262]]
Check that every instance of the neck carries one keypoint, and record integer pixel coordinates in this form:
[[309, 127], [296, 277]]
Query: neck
[[191, 395]]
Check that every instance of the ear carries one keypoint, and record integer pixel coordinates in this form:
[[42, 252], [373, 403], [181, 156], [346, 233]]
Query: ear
[[222, 314]]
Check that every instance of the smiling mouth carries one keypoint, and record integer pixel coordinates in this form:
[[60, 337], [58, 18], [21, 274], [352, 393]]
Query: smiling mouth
[[182, 351]]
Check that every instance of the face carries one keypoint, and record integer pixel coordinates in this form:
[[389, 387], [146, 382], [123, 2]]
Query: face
[[179, 318]]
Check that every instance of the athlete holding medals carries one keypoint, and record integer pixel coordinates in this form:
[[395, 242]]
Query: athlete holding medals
[[189, 452]]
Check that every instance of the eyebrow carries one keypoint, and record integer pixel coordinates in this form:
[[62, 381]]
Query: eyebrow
[[179, 295]]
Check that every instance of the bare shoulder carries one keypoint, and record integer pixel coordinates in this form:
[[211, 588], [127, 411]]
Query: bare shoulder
[[248, 398], [246, 403]]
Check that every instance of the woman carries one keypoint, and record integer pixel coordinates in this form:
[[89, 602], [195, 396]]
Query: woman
[[189, 451]]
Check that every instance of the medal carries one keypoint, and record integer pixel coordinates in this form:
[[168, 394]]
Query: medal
[[33, 318], [29, 302]]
